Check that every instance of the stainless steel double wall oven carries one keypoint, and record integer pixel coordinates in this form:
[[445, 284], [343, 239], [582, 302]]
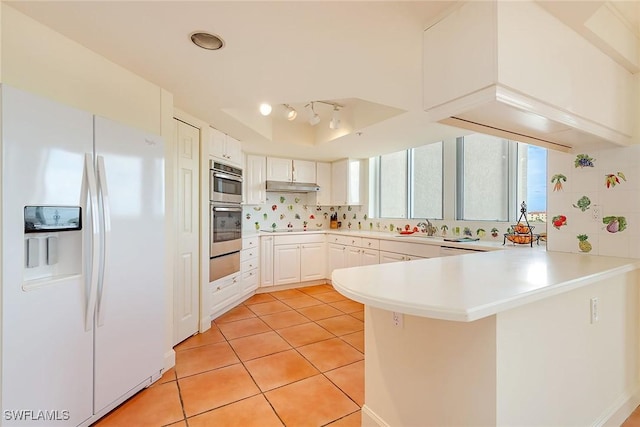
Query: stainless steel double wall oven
[[225, 219]]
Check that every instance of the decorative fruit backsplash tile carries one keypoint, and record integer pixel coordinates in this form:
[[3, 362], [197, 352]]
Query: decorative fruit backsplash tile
[[611, 179], [584, 161]]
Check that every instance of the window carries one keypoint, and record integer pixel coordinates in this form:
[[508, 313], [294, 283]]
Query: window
[[408, 184], [495, 175]]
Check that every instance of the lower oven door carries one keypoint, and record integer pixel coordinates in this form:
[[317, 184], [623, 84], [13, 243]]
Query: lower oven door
[[224, 265], [225, 229]]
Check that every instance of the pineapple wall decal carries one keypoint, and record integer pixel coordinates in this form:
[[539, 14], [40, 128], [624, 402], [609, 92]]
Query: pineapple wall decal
[[583, 243]]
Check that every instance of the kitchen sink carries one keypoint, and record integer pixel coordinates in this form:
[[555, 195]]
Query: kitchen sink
[[418, 236]]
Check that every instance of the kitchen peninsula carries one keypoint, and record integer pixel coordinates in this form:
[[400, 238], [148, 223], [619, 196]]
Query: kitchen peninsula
[[499, 338]]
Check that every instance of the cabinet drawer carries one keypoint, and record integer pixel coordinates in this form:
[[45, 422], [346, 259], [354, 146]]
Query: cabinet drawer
[[250, 280], [422, 250], [247, 254], [250, 242], [248, 265], [370, 243], [347, 240], [224, 291], [295, 239]]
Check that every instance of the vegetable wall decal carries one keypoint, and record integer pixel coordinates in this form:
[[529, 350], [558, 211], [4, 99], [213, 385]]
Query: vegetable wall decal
[[494, 232], [559, 221], [612, 179], [583, 243], [583, 203], [584, 161], [557, 181], [615, 223], [444, 229], [480, 232]]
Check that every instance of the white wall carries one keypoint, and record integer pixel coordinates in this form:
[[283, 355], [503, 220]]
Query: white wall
[[35, 58]]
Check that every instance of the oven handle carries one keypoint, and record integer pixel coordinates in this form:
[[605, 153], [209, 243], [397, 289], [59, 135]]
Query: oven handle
[[225, 176], [221, 209]]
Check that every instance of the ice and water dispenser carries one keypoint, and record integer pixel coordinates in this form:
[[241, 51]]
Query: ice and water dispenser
[[53, 242]]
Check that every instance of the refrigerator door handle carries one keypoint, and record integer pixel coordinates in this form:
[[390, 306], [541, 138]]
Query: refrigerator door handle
[[89, 183], [106, 218]]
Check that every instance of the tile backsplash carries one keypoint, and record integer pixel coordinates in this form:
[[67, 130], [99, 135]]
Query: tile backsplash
[[283, 209], [593, 202]]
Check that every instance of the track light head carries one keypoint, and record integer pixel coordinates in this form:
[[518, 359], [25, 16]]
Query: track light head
[[291, 113], [315, 118], [335, 118]]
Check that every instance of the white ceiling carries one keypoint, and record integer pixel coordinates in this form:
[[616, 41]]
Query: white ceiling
[[359, 53]]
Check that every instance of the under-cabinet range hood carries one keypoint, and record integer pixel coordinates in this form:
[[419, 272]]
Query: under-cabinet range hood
[[512, 70], [292, 187]]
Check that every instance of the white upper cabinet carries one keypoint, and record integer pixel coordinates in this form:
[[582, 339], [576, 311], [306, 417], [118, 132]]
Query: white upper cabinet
[[513, 70], [289, 170], [323, 179], [255, 177], [345, 182], [225, 148]]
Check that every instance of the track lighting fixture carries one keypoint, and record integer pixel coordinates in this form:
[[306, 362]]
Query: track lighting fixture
[[265, 109], [291, 113], [335, 118], [315, 118]]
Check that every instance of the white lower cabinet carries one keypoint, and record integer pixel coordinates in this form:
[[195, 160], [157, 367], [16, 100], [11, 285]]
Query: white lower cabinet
[[386, 257], [369, 257], [249, 264], [266, 261], [224, 291], [312, 261], [286, 264], [336, 257]]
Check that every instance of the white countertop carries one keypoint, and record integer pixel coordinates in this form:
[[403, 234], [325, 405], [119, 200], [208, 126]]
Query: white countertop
[[472, 286], [480, 245]]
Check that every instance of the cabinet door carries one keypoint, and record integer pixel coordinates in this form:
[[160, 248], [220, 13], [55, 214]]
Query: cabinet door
[[286, 266], [279, 169], [312, 261], [353, 256], [369, 257], [323, 179], [255, 180], [233, 151], [217, 143], [304, 171], [266, 261], [339, 182], [386, 257], [336, 258]]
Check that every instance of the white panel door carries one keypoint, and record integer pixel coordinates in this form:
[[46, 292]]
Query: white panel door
[[266, 261], [286, 264], [304, 171], [47, 353], [129, 334], [279, 169], [312, 261], [187, 285], [336, 257], [353, 256], [369, 257], [255, 179]]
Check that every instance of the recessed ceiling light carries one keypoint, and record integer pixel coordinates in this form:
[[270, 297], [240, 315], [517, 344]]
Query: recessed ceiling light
[[265, 109], [207, 41]]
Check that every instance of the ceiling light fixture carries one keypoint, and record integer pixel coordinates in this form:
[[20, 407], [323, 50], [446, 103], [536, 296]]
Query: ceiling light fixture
[[335, 118], [291, 114], [265, 109], [315, 118], [207, 41]]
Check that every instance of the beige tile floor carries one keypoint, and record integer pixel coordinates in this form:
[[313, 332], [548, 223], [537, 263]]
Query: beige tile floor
[[293, 358]]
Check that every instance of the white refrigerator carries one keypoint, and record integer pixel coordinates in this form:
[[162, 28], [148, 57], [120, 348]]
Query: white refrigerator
[[82, 310]]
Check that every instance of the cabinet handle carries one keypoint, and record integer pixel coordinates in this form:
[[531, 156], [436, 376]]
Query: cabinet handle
[[369, 243], [218, 288]]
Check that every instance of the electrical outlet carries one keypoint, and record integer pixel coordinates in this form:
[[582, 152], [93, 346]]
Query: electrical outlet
[[595, 213], [398, 320], [594, 310]]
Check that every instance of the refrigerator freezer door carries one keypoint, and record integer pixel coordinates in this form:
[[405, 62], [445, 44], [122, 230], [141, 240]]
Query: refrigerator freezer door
[[129, 342], [47, 356]]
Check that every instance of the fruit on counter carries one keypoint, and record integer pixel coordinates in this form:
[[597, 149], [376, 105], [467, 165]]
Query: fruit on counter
[[519, 238], [584, 244], [559, 220], [615, 223], [521, 228]]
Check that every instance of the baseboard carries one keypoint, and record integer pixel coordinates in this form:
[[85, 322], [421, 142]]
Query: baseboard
[[169, 359], [265, 289], [620, 410], [205, 323], [371, 419]]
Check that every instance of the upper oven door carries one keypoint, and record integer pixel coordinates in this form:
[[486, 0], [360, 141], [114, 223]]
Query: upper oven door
[[225, 187], [226, 229]]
